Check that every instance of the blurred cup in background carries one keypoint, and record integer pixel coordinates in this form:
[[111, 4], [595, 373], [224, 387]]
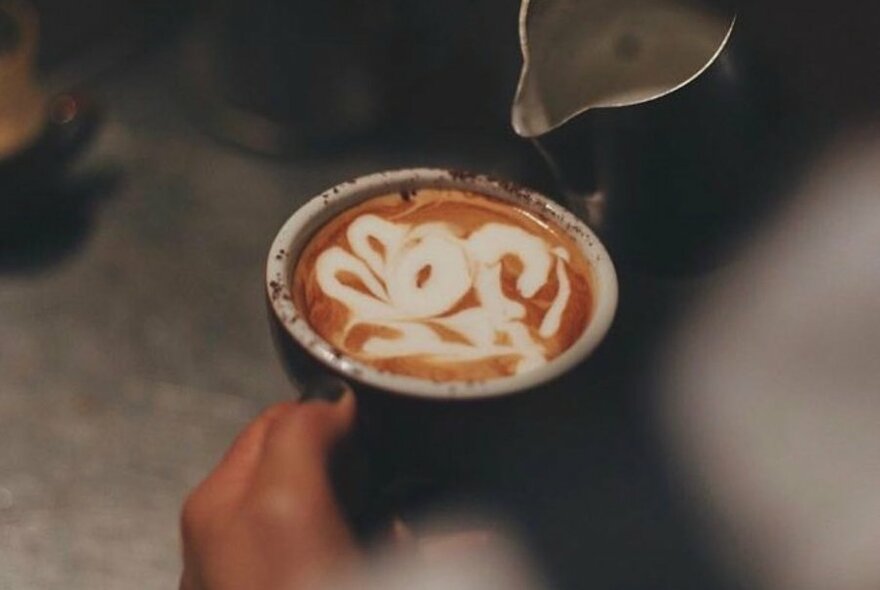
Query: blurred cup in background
[[22, 101]]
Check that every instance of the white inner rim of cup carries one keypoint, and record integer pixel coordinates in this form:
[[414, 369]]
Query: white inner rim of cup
[[302, 225]]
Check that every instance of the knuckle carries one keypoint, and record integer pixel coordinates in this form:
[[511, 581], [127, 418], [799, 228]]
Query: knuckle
[[304, 427], [277, 506]]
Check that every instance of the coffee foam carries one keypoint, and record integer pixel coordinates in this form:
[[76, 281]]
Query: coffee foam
[[444, 285]]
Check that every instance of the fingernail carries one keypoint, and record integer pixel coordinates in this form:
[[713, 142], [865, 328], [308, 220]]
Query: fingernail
[[328, 389]]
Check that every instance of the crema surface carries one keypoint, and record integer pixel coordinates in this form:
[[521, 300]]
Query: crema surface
[[444, 285]]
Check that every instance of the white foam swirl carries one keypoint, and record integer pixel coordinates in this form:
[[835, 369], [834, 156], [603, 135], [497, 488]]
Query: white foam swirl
[[420, 272]]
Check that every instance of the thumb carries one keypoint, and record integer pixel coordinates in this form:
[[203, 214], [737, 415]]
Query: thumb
[[292, 496], [298, 443]]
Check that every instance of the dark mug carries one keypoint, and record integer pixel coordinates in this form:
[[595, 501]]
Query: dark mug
[[417, 431]]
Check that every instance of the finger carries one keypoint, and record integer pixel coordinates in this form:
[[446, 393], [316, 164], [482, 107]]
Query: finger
[[300, 442], [229, 480], [400, 536], [292, 489], [400, 533]]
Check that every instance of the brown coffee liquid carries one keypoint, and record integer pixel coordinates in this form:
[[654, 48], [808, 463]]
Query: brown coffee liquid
[[445, 285]]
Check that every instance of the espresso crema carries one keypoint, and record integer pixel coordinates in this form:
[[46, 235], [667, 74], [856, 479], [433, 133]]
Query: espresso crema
[[446, 285]]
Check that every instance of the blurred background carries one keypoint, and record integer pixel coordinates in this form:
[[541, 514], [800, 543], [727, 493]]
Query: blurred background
[[149, 151]]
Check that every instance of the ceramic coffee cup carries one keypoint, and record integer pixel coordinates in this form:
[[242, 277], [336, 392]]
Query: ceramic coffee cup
[[412, 428]]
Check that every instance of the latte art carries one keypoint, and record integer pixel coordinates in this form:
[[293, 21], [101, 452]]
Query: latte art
[[444, 285]]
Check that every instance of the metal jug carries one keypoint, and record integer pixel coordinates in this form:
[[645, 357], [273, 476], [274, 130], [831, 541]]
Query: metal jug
[[651, 119]]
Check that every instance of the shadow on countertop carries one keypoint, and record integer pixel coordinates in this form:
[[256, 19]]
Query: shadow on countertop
[[46, 208], [37, 237]]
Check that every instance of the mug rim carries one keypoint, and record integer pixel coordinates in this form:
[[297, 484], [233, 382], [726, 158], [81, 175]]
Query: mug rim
[[301, 225]]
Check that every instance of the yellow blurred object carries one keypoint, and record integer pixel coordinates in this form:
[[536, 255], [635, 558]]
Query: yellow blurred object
[[22, 100]]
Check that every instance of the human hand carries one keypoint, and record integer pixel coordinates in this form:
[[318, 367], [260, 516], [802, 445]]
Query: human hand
[[266, 518]]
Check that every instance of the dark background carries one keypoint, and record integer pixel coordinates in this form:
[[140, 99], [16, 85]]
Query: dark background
[[825, 52], [134, 340]]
